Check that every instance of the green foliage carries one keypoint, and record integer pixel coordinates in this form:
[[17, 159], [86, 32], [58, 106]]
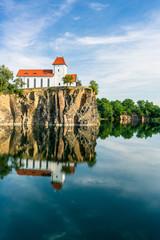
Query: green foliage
[[67, 79], [4, 168], [108, 109], [93, 161], [105, 108], [94, 86], [79, 83], [49, 89], [6, 86], [118, 108], [108, 128]]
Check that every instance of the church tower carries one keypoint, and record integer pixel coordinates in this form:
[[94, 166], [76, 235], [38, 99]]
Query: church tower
[[59, 71]]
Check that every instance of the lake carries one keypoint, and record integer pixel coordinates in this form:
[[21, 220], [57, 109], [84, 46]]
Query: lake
[[80, 183]]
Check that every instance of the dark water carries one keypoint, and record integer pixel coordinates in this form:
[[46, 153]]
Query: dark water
[[80, 183]]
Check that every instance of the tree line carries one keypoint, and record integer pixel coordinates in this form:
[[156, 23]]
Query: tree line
[[113, 109], [109, 128]]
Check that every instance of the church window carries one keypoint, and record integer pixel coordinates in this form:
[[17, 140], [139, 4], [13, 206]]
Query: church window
[[27, 82], [41, 82], [33, 164], [58, 70], [34, 82], [59, 84], [27, 163], [48, 82]]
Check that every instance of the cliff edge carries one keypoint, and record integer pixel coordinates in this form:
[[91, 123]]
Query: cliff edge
[[58, 106]]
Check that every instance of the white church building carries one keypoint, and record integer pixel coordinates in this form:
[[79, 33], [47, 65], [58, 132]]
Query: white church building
[[39, 78], [44, 168]]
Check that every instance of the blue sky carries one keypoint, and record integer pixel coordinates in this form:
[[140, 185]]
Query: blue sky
[[114, 42]]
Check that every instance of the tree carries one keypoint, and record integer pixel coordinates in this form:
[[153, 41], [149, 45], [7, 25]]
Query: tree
[[94, 86], [129, 106], [104, 108], [5, 169], [18, 83], [118, 108], [5, 76], [67, 79], [6, 86], [79, 83]]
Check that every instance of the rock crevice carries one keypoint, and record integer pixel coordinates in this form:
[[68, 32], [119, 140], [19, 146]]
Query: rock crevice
[[59, 106]]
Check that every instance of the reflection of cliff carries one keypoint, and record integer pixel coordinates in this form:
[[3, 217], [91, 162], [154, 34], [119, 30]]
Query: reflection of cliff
[[44, 152], [67, 144]]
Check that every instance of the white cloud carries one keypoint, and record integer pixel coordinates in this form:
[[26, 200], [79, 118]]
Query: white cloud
[[21, 45], [76, 18], [124, 64], [98, 6]]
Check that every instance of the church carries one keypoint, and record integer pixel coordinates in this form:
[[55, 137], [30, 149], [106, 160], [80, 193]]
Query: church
[[43, 168], [39, 78]]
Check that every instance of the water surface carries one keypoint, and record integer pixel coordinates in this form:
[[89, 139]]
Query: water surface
[[80, 183]]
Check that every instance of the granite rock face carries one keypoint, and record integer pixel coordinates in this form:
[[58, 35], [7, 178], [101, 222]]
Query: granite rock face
[[65, 144], [59, 106]]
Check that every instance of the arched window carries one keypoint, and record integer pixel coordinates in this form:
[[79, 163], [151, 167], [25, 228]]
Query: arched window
[[34, 82], [41, 82], [48, 82], [27, 82]]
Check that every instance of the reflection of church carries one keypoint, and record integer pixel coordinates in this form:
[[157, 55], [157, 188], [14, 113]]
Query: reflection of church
[[44, 168]]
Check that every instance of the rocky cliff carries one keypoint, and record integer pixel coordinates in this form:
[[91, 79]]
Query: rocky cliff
[[65, 144], [59, 106]]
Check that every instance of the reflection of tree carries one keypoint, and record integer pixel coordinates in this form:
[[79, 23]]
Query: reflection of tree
[[93, 161], [5, 169], [115, 129]]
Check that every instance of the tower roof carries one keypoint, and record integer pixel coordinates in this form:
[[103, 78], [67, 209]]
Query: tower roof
[[56, 185], [59, 61]]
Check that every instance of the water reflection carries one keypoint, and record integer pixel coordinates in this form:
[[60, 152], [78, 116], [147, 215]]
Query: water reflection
[[115, 129], [55, 152], [52, 152], [117, 199]]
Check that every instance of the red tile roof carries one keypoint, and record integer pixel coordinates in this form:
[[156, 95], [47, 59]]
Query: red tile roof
[[74, 77], [35, 73], [56, 186], [39, 173], [59, 61]]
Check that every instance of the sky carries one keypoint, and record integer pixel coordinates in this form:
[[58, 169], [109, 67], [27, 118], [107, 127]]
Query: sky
[[114, 42]]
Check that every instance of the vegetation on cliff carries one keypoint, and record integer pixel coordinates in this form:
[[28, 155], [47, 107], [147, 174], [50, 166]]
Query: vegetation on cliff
[[108, 109], [94, 86], [5, 86]]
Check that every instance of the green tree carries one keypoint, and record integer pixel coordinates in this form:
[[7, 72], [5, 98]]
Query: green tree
[[5, 76], [129, 106], [94, 86], [79, 83], [4, 168], [118, 108], [18, 83], [104, 108], [67, 79]]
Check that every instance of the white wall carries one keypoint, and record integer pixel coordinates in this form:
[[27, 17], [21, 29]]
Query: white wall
[[59, 72], [38, 81]]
